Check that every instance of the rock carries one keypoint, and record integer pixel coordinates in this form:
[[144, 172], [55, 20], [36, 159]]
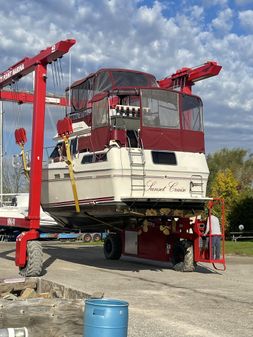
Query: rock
[[97, 294]]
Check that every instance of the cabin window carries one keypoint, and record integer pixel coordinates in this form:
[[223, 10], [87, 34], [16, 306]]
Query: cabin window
[[103, 82], [164, 158], [160, 109], [100, 113], [60, 150], [55, 153], [74, 146], [132, 79], [81, 94], [192, 113], [94, 158]]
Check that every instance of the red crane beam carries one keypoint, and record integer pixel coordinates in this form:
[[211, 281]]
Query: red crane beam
[[186, 77], [27, 65], [22, 97], [38, 64]]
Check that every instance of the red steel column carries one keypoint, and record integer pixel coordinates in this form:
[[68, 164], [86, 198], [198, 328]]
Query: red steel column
[[37, 146]]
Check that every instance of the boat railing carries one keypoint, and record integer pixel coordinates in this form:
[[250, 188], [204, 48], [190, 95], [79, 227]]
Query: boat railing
[[17, 161]]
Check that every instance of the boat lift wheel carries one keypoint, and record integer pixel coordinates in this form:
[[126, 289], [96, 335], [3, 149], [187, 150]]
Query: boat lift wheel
[[34, 262], [112, 247]]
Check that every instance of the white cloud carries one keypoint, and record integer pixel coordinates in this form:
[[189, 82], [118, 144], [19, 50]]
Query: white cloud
[[246, 19], [137, 35], [224, 21], [196, 12]]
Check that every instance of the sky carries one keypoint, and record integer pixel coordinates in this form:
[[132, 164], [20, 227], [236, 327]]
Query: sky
[[153, 36]]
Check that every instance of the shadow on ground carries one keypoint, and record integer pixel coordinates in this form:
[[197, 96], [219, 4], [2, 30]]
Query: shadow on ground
[[94, 256]]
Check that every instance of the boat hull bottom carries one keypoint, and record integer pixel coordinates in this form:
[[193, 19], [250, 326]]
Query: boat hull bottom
[[122, 215]]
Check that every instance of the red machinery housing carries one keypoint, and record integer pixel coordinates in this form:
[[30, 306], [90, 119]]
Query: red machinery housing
[[151, 243]]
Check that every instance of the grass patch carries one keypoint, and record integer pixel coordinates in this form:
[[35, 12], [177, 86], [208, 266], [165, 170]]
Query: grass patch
[[239, 248]]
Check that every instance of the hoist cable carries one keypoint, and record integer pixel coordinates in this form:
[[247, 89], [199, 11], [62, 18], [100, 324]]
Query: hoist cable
[[56, 76], [58, 73], [61, 72], [52, 70], [70, 79]]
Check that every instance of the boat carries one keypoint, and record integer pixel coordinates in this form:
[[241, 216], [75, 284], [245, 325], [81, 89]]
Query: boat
[[137, 152], [17, 208]]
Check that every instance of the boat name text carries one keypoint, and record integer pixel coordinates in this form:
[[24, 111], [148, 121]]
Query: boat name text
[[171, 186]]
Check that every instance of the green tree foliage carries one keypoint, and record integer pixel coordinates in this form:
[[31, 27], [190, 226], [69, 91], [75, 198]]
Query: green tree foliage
[[238, 160], [231, 177], [225, 186]]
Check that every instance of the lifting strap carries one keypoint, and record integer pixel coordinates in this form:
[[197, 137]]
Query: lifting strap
[[71, 172], [25, 167], [20, 137]]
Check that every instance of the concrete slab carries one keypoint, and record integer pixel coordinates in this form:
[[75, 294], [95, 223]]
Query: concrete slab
[[162, 302]]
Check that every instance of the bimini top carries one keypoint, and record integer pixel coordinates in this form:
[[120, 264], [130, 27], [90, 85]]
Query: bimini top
[[113, 78]]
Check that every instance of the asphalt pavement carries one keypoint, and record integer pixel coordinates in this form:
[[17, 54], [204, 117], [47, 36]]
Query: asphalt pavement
[[162, 302]]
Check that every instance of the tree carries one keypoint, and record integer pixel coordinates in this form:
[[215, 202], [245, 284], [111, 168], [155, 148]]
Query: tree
[[14, 180], [225, 186], [242, 213], [238, 160], [231, 177]]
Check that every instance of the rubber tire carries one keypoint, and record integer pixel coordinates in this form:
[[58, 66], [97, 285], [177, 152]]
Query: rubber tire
[[96, 237], [184, 257], [87, 237], [34, 262], [112, 247]]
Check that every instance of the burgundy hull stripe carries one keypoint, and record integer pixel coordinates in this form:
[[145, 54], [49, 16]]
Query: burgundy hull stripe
[[81, 202], [14, 222]]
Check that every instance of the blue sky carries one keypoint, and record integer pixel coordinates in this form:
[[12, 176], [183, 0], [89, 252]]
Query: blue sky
[[155, 36]]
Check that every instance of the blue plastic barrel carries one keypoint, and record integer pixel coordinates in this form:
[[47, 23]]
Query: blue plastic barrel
[[105, 318]]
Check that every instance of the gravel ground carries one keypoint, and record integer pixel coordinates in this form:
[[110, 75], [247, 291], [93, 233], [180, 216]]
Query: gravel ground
[[162, 302]]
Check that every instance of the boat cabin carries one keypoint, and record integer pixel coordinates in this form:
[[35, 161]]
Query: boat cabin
[[129, 108]]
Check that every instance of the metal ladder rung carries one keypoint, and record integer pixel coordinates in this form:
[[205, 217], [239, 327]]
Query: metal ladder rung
[[139, 153], [137, 164], [137, 187]]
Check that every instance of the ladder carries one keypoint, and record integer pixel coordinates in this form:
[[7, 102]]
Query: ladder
[[137, 167], [196, 185]]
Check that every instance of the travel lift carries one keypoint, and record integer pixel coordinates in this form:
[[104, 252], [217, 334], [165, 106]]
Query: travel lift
[[28, 251]]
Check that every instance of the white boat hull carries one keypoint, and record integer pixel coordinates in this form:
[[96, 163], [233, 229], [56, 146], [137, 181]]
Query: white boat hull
[[128, 184]]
